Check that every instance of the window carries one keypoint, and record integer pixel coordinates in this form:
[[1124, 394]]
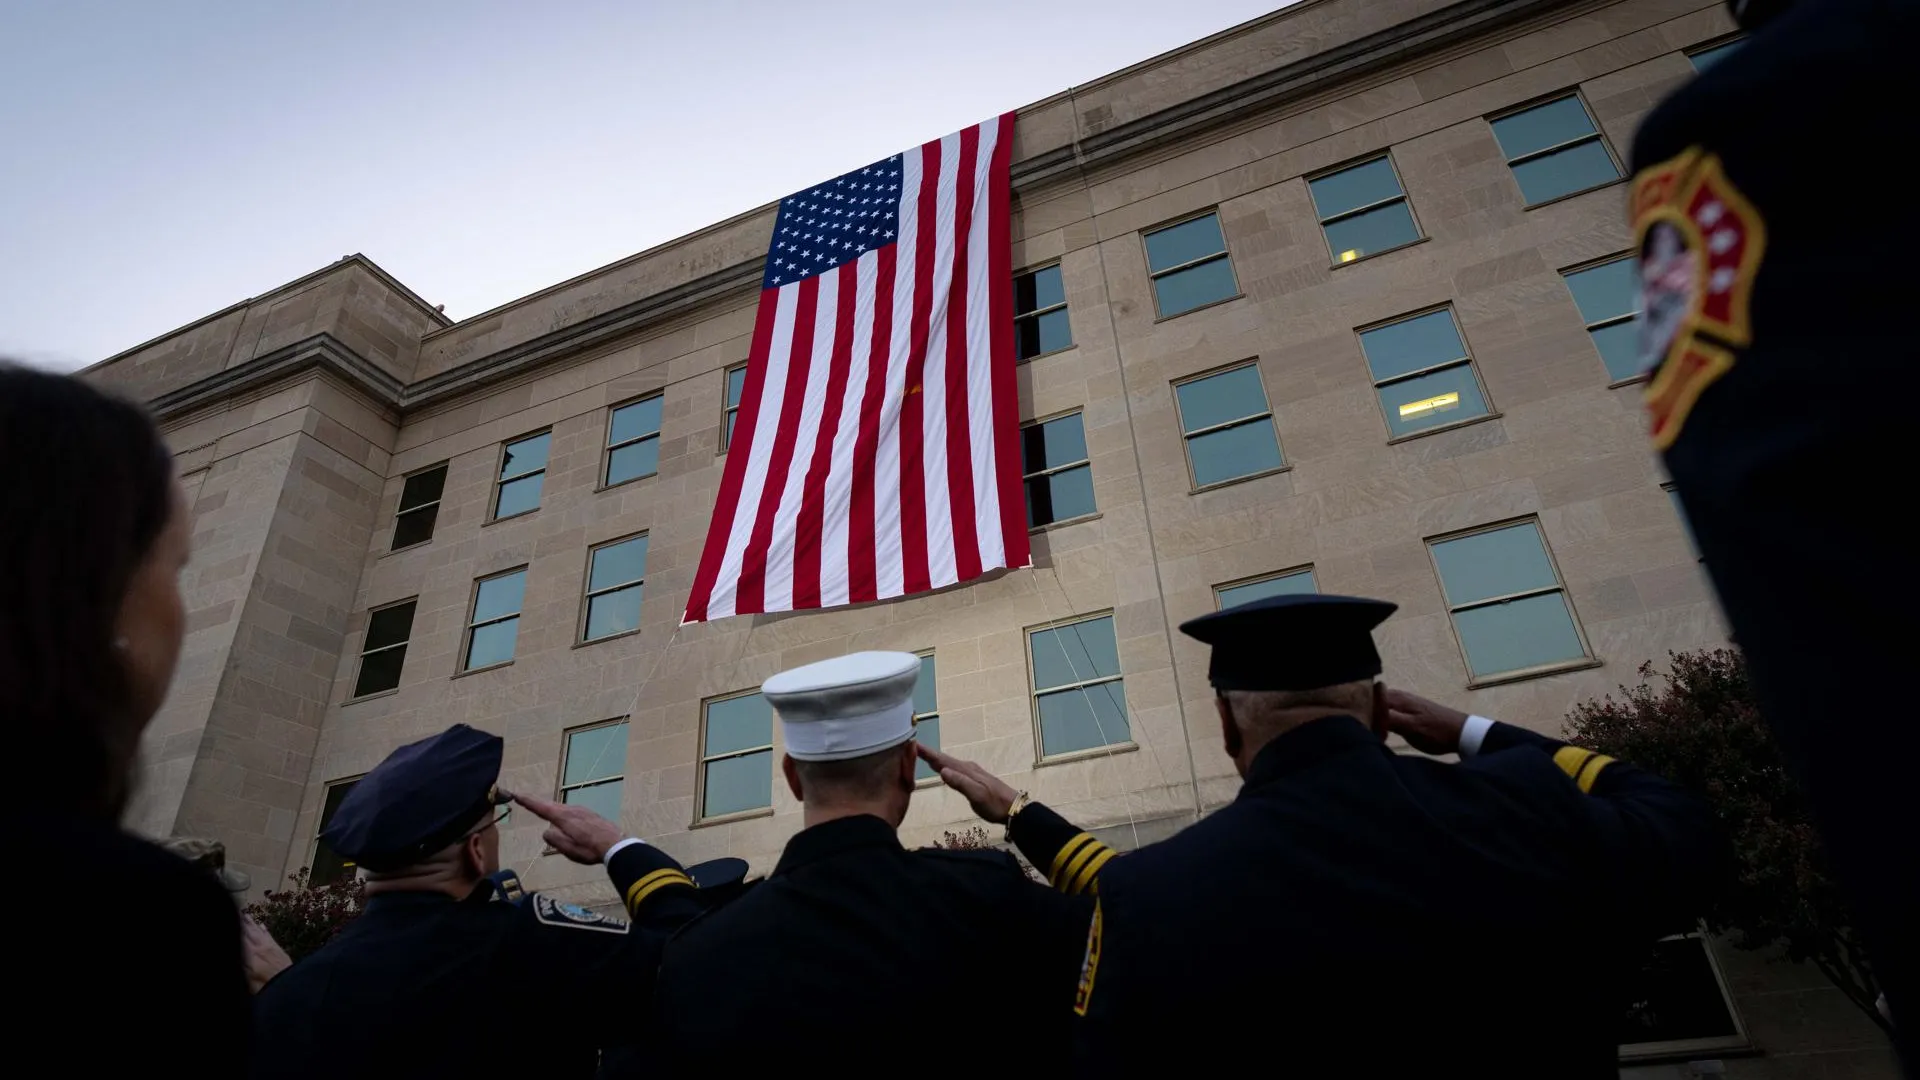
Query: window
[[1423, 372], [1079, 702], [1362, 210], [736, 755], [1554, 149], [633, 441], [1608, 296], [1189, 266], [1040, 313], [1705, 58], [1508, 606], [1227, 426], [523, 469], [1288, 583], [1686, 525], [926, 715], [1677, 1002], [616, 577], [593, 768], [1059, 481], [495, 625], [329, 866], [736, 385], [419, 507], [384, 651]]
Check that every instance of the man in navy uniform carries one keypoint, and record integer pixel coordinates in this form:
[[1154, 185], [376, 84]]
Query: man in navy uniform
[[412, 986], [1359, 912], [855, 941], [1781, 342]]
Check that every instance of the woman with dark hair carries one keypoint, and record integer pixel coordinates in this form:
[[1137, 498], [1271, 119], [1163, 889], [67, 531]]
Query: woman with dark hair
[[130, 952]]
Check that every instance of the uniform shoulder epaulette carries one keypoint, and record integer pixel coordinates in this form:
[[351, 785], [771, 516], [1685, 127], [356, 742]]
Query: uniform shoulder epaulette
[[553, 912]]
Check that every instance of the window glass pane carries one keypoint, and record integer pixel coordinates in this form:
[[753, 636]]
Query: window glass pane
[[1042, 333], [1074, 653], [525, 456], [1042, 288], [1424, 401], [1216, 399], [1065, 494], [926, 731], [1619, 347], [614, 612], [618, 563], [595, 754], [499, 596], [1496, 563], [1542, 126], [1607, 291], [1184, 290], [1185, 242], [739, 783], [1236, 451], [736, 382], [415, 526], [1056, 442], [389, 626], [632, 421], [328, 866], [1706, 58], [1516, 634], [633, 461], [1564, 172], [1284, 585], [602, 799], [1376, 230], [493, 643], [925, 698], [727, 438], [519, 496], [1352, 188], [423, 487], [380, 671], [737, 723], [1412, 344], [1082, 719]]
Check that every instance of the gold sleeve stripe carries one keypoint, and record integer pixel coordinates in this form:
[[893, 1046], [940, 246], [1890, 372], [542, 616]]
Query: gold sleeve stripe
[[1068, 873], [1066, 852], [1571, 760], [1591, 772], [1090, 966], [1089, 875], [638, 892]]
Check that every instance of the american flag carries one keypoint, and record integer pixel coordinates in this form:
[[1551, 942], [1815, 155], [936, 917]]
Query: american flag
[[876, 452]]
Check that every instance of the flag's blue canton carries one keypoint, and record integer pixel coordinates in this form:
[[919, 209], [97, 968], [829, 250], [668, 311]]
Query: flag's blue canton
[[835, 223]]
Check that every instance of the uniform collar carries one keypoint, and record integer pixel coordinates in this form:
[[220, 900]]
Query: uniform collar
[[1305, 746], [836, 837], [422, 898]]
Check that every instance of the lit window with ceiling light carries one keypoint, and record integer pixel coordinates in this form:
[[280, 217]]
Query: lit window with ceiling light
[[1423, 373], [1363, 210]]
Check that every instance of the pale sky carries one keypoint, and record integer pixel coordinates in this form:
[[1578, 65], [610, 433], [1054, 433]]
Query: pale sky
[[162, 160]]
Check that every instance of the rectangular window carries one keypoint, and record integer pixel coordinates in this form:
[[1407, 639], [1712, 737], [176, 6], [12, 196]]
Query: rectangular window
[[523, 469], [1363, 210], [1703, 59], [1058, 478], [1555, 149], [1677, 1003], [1189, 266], [736, 385], [736, 755], [384, 651], [1227, 426], [633, 441], [1287, 583], [926, 715], [495, 625], [419, 506], [1423, 372], [593, 768], [329, 866], [1608, 296], [1508, 605], [616, 577], [1079, 702], [1040, 313]]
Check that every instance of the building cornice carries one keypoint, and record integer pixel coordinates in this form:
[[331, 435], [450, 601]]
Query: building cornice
[[322, 351]]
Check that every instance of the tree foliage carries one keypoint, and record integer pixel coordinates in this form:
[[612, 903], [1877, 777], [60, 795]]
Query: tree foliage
[[306, 916], [1697, 724]]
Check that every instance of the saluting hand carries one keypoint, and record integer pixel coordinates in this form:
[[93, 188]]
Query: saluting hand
[[263, 956], [573, 831], [1428, 726], [990, 796]]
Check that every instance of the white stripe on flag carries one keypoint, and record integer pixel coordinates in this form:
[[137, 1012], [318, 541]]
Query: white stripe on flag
[[835, 522], [986, 489], [779, 579], [889, 572], [933, 383], [773, 392]]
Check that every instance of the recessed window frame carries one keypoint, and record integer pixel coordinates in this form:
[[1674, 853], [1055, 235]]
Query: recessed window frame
[[1225, 252], [1566, 278], [358, 668], [700, 817], [402, 509], [1386, 155], [1194, 486], [1305, 568], [1035, 692], [500, 481], [927, 781], [1681, 1049], [609, 446], [588, 592], [1036, 313], [1466, 348], [730, 413], [1586, 660], [1598, 134], [560, 786], [473, 602], [1695, 52], [1086, 462], [321, 819]]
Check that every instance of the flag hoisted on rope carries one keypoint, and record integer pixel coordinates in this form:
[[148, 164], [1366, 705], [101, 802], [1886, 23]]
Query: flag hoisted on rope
[[877, 451]]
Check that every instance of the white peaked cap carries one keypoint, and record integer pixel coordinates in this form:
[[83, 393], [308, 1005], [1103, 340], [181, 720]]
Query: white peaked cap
[[845, 707]]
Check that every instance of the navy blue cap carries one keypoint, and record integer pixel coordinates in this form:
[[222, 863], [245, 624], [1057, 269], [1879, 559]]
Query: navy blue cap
[[419, 800], [718, 873], [1296, 642]]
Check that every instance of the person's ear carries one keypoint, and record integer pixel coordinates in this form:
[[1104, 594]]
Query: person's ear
[[475, 854], [793, 776], [1229, 731], [909, 762]]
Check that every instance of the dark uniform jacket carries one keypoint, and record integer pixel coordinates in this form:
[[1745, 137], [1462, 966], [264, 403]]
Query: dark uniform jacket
[[423, 985], [1356, 912], [904, 962]]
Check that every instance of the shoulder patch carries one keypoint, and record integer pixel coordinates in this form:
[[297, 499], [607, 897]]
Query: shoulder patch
[[553, 912]]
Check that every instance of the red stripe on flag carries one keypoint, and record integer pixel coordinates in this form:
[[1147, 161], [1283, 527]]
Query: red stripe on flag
[[751, 597], [813, 492], [1006, 391], [913, 475], [861, 583], [734, 475], [966, 537]]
